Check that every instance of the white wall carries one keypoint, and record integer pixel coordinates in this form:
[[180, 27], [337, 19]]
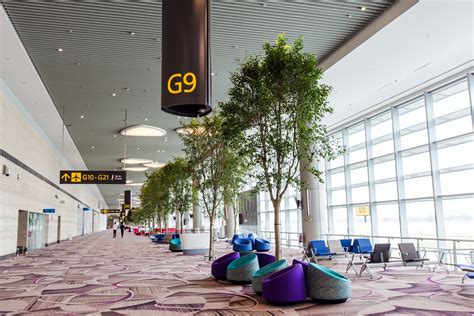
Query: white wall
[[31, 131], [23, 139]]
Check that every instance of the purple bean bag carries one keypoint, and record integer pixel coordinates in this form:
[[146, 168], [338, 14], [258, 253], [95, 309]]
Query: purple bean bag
[[264, 259], [285, 287], [304, 264], [219, 266]]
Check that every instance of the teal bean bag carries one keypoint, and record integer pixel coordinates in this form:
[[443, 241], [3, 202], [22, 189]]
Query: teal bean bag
[[327, 286], [175, 245], [240, 271], [261, 274]]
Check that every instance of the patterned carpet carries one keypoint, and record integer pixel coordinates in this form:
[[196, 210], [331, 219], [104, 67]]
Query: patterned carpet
[[132, 276]]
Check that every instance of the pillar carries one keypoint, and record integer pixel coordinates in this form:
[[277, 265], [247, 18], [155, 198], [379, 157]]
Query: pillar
[[229, 220], [313, 200]]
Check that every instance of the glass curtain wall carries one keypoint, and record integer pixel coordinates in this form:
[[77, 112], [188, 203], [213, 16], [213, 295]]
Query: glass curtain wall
[[408, 171]]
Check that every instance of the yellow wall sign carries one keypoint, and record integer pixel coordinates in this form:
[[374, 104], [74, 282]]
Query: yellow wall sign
[[363, 210], [176, 81]]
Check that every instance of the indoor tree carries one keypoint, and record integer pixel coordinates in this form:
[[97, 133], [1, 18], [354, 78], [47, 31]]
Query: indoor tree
[[177, 177], [210, 159], [277, 102]]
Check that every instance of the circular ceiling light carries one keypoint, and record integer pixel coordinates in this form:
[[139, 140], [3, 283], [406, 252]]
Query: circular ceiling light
[[143, 130], [135, 161], [137, 169], [154, 164]]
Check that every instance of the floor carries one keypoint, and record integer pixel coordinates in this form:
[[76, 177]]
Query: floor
[[132, 276]]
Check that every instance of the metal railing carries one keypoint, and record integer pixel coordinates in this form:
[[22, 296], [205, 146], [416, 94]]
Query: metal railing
[[452, 251], [448, 249]]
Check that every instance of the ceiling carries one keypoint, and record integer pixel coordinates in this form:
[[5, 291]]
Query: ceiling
[[101, 57]]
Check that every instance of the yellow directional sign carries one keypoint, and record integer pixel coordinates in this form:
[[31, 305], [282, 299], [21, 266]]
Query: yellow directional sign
[[110, 211], [92, 177], [363, 210]]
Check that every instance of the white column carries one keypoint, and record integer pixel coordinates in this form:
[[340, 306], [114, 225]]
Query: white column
[[229, 220], [313, 200]]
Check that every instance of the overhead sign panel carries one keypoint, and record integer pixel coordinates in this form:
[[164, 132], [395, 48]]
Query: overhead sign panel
[[49, 210], [127, 204], [186, 76], [92, 177], [110, 211]]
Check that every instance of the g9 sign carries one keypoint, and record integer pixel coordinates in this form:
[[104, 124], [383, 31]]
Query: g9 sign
[[186, 75]]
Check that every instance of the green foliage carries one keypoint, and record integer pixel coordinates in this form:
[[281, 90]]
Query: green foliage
[[275, 109], [177, 177], [212, 161]]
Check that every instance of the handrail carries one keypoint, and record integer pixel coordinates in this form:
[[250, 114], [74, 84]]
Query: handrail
[[401, 237]]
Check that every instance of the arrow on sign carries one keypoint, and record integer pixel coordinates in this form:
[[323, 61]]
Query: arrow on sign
[[65, 177]]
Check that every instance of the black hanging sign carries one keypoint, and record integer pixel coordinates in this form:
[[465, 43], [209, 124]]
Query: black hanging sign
[[92, 177], [127, 204], [186, 77]]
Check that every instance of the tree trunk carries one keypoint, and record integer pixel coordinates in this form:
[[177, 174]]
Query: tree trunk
[[276, 209], [211, 239], [182, 223]]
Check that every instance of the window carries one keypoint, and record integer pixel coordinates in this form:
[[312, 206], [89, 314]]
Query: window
[[430, 178]]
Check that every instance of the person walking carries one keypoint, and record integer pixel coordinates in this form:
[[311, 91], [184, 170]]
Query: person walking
[[122, 228], [115, 227]]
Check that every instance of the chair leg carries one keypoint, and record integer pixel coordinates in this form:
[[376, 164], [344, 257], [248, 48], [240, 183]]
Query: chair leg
[[464, 278]]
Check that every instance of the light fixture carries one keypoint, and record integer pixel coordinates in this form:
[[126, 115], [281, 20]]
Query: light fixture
[[131, 33], [213, 74], [77, 64], [93, 147], [59, 49], [135, 184], [363, 8], [115, 135], [349, 16], [82, 116], [128, 181], [135, 168], [114, 94], [146, 119], [143, 130], [135, 161], [154, 164], [126, 89], [138, 148]]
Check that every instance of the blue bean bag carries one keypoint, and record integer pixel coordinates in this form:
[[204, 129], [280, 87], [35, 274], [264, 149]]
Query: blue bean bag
[[261, 245], [242, 244], [252, 239], [237, 236]]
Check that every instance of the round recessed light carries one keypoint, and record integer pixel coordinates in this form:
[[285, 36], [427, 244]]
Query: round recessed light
[[146, 119], [143, 130], [135, 161], [349, 16], [131, 33], [59, 49], [363, 8], [126, 89], [114, 94], [93, 147], [213, 74], [136, 169], [82, 116], [115, 135], [138, 148], [77, 64], [154, 164]]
